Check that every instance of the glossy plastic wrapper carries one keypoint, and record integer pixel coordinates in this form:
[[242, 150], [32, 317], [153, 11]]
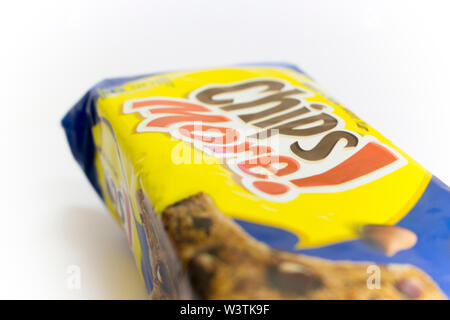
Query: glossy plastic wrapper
[[251, 182]]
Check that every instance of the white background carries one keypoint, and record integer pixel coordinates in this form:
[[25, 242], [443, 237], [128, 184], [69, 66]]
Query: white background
[[388, 61]]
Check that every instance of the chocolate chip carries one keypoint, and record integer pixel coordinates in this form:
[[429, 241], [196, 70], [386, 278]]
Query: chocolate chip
[[180, 203], [291, 276], [390, 239], [410, 288], [202, 223], [201, 269]]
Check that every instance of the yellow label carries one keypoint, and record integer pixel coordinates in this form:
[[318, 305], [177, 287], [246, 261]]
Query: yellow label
[[263, 142]]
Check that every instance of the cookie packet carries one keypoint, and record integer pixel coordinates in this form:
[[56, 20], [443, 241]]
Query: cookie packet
[[251, 182]]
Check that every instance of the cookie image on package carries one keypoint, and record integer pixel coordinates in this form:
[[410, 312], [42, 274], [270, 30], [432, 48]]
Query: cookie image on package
[[224, 262]]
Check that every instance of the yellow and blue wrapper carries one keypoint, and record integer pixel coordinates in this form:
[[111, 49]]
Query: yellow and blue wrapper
[[288, 163]]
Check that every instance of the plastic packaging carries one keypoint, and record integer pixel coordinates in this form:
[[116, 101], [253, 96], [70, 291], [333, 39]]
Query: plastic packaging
[[251, 182]]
